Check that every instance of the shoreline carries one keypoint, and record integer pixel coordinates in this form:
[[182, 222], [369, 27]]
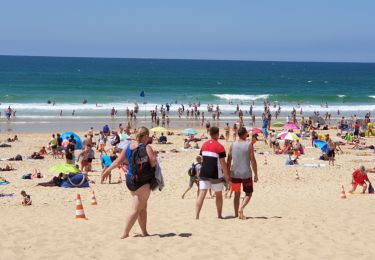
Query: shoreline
[[83, 124]]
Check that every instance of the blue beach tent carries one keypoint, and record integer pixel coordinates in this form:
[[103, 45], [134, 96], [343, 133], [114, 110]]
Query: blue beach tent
[[76, 137]]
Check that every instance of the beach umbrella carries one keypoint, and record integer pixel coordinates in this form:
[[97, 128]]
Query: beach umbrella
[[291, 137], [278, 124], [75, 136], [288, 136], [321, 145], [290, 126], [190, 131], [318, 119], [124, 137], [256, 131], [64, 168], [282, 135], [159, 129]]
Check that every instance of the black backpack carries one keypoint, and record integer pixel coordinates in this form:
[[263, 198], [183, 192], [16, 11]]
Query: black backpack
[[142, 170], [192, 171]]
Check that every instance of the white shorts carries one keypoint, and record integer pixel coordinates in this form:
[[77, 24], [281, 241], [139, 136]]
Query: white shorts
[[216, 187]]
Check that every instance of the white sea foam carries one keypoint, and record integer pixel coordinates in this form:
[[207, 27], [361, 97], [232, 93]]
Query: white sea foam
[[241, 97], [341, 96], [371, 97], [36, 109]]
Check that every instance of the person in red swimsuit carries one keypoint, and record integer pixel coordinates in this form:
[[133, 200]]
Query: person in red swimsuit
[[359, 178]]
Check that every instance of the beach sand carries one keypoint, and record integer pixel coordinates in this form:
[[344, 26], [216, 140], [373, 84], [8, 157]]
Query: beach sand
[[287, 218]]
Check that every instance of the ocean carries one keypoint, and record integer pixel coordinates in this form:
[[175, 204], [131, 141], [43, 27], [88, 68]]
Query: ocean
[[28, 83]]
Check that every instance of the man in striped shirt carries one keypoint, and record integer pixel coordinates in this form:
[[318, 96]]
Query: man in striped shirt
[[213, 171]]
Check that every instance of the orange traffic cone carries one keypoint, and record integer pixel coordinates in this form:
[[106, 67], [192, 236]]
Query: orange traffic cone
[[93, 199], [343, 195], [296, 176], [80, 213]]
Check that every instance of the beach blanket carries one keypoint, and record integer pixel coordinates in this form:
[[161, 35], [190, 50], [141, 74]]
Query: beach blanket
[[6, 195], [75, 181]]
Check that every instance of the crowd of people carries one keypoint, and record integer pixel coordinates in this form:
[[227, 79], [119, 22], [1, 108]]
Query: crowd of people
[[215, 170]]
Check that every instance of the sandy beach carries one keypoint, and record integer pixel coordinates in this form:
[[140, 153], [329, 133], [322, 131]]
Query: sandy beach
[[286, 218]]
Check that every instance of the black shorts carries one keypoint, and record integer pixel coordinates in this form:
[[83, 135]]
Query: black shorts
[[133, 186], [331, 153], [89, 160], [69, 156]]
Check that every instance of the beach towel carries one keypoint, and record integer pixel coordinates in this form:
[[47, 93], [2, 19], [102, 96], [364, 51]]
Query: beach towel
[[6, 195], [75, 181], [4, 182]]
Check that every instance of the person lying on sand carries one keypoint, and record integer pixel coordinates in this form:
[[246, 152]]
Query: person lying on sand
[[35, 175], [7, 167], [26, 201], [55, 181], [359, 178], [15, 138], [36, 156]]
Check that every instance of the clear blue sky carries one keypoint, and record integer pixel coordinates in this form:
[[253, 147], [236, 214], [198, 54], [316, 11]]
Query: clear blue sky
[[308, 30]]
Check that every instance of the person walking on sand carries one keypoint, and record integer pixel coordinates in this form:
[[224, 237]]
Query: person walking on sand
[[193, 175], [227, 132], [213, 171], [140, 161], [241, 164]]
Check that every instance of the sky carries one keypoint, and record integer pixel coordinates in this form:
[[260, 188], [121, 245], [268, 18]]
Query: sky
[[285, 30]]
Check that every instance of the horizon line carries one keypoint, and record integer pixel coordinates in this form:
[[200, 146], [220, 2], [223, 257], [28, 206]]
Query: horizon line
[[188, 59]]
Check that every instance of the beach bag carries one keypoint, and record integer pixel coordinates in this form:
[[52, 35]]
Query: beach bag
[[75, 181], [370, 189], [18, 157], [192, 172], [141, 167]]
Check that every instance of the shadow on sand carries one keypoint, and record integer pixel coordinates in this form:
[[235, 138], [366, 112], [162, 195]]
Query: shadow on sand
[[167, 235]]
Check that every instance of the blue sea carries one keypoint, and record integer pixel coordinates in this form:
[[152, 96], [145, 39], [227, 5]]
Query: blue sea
[[28, 83]]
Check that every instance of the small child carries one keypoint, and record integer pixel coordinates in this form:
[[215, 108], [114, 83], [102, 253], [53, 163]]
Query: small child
[[359, 178], [26, 199]]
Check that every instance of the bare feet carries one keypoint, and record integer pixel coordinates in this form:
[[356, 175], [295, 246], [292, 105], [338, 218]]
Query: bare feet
[[241, 215], [146, 234], [124, 236]]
